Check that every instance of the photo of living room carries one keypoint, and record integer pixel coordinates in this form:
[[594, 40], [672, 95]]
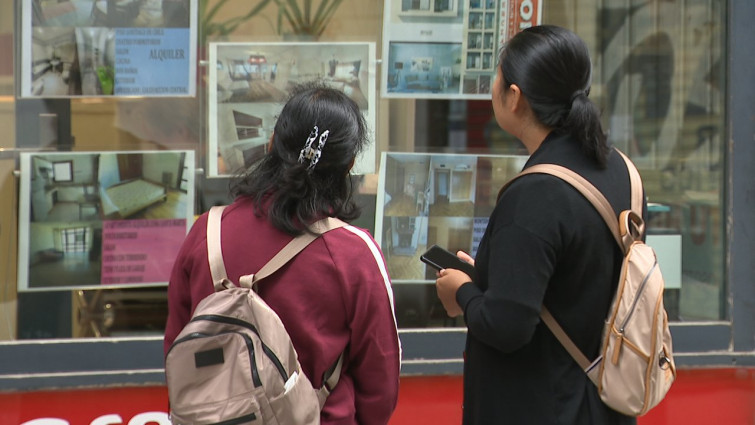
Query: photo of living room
[[404, 240], [440, 49], [265, 72], [251, 81], [406, 184], [424, 67], [64, 220]]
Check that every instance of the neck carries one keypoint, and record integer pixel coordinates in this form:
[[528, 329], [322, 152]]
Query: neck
[[532, 135]]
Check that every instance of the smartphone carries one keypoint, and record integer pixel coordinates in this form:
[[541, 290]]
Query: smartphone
[[441, 258]]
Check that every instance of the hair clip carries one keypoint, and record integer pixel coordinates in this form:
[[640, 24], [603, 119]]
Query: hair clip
[[318, 151], [307, 152], [310, 152]]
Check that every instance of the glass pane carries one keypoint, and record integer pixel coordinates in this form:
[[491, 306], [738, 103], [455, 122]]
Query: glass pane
[[659, 77], [659, 70]]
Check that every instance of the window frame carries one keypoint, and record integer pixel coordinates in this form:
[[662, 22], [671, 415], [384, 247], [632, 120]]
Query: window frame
[[41, 364]]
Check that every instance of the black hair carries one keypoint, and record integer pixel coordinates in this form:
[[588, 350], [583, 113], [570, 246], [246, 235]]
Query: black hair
[[294, 193], [552, 67]]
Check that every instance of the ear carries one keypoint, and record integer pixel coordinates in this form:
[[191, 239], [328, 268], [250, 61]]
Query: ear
[[270, 142], [516, 99]]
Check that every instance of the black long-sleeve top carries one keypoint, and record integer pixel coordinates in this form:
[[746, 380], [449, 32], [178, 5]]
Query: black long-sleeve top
[[545, 244]]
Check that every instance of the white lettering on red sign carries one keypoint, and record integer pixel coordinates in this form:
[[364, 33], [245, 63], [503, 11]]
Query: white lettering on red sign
[[146, 418]]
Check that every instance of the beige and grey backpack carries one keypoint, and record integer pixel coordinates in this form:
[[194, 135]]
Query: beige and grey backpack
[[635, 367], [234, 362]]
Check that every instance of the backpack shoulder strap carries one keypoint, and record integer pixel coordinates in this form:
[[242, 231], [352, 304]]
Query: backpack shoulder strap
[[333, 375], [636, 184], [597, 199], [296, 246], [214, 251], [637, 196], [564, 339], [330, 380]]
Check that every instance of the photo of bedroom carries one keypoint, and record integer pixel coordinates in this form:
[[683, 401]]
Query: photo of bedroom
[[250, 82], [70, 199], [137, 186]]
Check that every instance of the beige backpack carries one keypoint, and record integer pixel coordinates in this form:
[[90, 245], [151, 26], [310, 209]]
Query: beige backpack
[[635, 367], [234, 362]]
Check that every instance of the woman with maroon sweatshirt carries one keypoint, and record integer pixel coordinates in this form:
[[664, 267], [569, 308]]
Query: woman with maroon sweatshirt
[[343, 301]]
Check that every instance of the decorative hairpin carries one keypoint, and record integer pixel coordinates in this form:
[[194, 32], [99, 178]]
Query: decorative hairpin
[[310, 152]]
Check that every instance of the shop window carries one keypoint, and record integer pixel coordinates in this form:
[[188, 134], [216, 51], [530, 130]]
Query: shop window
[[659, 78]]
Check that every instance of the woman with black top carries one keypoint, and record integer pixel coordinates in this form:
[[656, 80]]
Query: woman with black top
[[545, 244]]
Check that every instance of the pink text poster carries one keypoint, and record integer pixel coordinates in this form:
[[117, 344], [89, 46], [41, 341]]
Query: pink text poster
[[140, 251]]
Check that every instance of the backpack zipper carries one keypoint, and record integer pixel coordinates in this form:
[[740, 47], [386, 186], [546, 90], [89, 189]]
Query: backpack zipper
[[238, 322], [249, 346], [637, 297]]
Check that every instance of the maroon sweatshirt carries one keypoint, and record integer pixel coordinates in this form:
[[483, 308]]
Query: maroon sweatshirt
[[342, 298]]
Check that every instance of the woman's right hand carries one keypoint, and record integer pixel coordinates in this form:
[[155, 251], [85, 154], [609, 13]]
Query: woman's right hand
[[448, 282]]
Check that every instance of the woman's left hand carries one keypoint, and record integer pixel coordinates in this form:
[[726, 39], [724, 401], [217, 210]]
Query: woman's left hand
[[448, 282]]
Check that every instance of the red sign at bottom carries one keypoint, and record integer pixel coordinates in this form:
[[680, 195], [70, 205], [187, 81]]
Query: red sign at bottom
[[107, 406]]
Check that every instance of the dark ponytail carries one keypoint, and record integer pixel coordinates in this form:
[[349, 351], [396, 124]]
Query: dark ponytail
[[552, 67], [582, 121]]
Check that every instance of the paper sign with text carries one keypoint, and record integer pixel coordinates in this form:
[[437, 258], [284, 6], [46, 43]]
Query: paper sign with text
[[134, 251]]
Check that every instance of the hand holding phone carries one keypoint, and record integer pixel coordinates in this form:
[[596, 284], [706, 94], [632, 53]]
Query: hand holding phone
[[441, 258]]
